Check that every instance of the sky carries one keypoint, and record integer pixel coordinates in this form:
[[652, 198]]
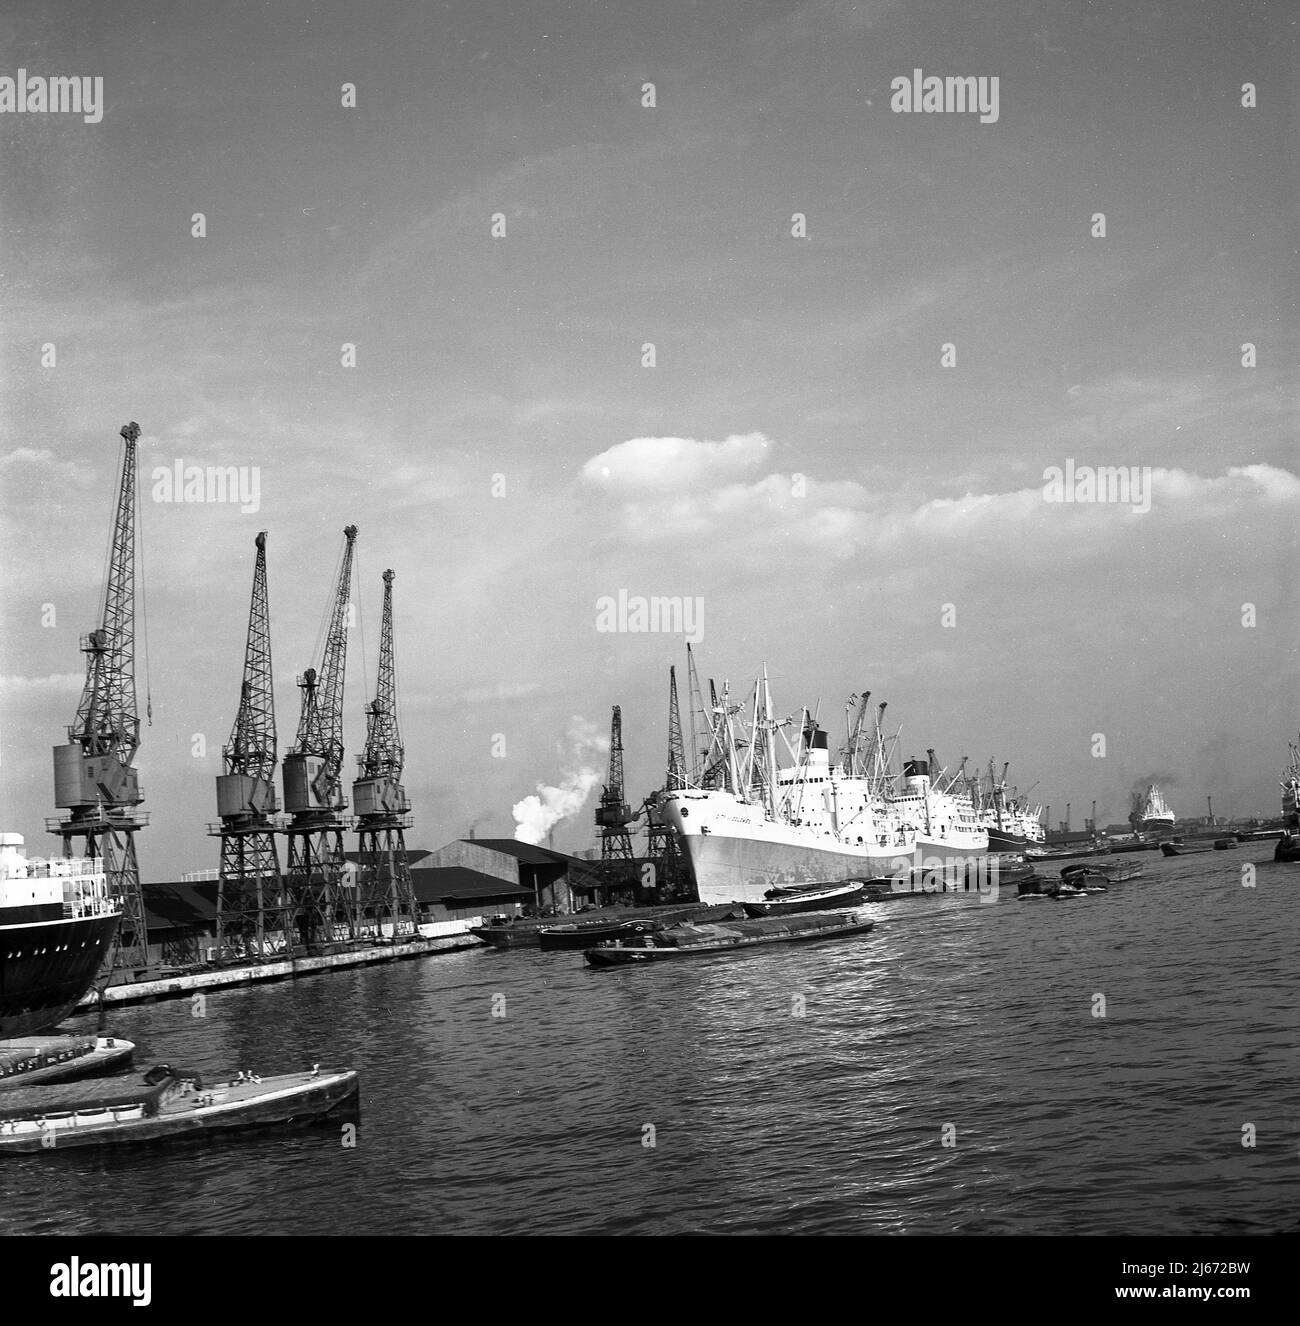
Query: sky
[[661, 300]]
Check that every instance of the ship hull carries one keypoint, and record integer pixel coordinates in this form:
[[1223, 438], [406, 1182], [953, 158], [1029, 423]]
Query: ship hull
[[46, 967], [1156, 826], [743, 869], [1004, 841]]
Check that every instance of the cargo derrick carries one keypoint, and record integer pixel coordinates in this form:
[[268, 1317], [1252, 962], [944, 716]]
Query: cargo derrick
[[254, 910], [379, 800], [94, 780], [321, 883]]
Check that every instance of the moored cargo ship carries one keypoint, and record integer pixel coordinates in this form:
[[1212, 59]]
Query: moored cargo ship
[[57, 922], [1011, 823], [756, 825]]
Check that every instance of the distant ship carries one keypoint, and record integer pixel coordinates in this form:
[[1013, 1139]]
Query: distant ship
[[1291, 792], [1288, 846], [57, 922], [1012, 825], [751, 825], [1151, 815]]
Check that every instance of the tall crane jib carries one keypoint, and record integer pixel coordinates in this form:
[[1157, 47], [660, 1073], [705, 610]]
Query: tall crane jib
[[94, 781], [254, 912], [613, 816], [379, 800], [662, 847], [321, 880], [313, 766]]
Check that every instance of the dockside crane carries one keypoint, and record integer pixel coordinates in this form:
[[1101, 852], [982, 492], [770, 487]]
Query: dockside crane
[[253, 901], [319, 876], [379, 800], [613, 815], [94, 780], [662, 846], [676, 747]]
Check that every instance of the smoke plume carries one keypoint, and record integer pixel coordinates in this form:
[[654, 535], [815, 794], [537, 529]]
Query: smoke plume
[[583, 749]]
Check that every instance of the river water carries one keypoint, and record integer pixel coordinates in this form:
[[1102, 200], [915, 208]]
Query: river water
[[974, 1067]]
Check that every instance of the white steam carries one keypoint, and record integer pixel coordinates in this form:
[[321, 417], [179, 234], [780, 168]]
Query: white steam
[[584, 749]]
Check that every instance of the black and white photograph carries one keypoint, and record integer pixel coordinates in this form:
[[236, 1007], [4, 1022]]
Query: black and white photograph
[[582, 581]]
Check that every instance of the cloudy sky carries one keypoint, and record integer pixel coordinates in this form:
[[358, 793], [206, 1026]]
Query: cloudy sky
[[798, 458]]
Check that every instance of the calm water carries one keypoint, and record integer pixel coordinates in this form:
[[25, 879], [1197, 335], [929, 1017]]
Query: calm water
[[952, 1012]]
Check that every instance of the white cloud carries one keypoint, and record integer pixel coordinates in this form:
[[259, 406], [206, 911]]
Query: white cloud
[[674, 463], [56, 681]]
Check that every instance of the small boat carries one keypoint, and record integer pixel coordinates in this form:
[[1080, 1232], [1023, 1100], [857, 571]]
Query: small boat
[[1062, 892], [807, 898], [687, 940], [580, 935], [164, 1104], [1109, 872], [1134, 845], [1066, 853], [32, 1059], [1192, 848], [1035, 886], [1070, 886], [1288, 848], [506, 932]]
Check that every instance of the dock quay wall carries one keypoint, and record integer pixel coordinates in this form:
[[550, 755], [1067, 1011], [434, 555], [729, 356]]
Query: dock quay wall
[[435, 937]]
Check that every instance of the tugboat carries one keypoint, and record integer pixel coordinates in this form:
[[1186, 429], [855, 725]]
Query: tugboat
[[57, 922]]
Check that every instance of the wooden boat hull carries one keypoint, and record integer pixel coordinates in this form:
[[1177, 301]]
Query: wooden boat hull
[[1048, 854], [792, 901], [1101, 874], [33, 1060], [287, 1099], [569, 937], [508, 936], [736, 937], [1186, 849]]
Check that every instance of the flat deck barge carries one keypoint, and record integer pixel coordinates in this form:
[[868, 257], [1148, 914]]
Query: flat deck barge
[[163, 1105], [31, 1059]]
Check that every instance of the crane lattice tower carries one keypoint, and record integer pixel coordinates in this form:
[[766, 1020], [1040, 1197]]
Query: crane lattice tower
[[613, 814], [94, 777], [379, 800], [321, 881], [254, 908]]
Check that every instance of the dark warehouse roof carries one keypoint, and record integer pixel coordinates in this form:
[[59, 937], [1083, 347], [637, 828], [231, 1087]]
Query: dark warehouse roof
[[448, 883]]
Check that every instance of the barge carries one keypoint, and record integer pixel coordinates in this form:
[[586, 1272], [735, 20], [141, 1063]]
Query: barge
[[687, 940], [164, 1105], [30, 1059], [807, 898]]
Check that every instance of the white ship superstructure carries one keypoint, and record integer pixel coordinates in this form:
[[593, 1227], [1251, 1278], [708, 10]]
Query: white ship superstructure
[[748, 823], [1291, 792], [1154, 816]]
